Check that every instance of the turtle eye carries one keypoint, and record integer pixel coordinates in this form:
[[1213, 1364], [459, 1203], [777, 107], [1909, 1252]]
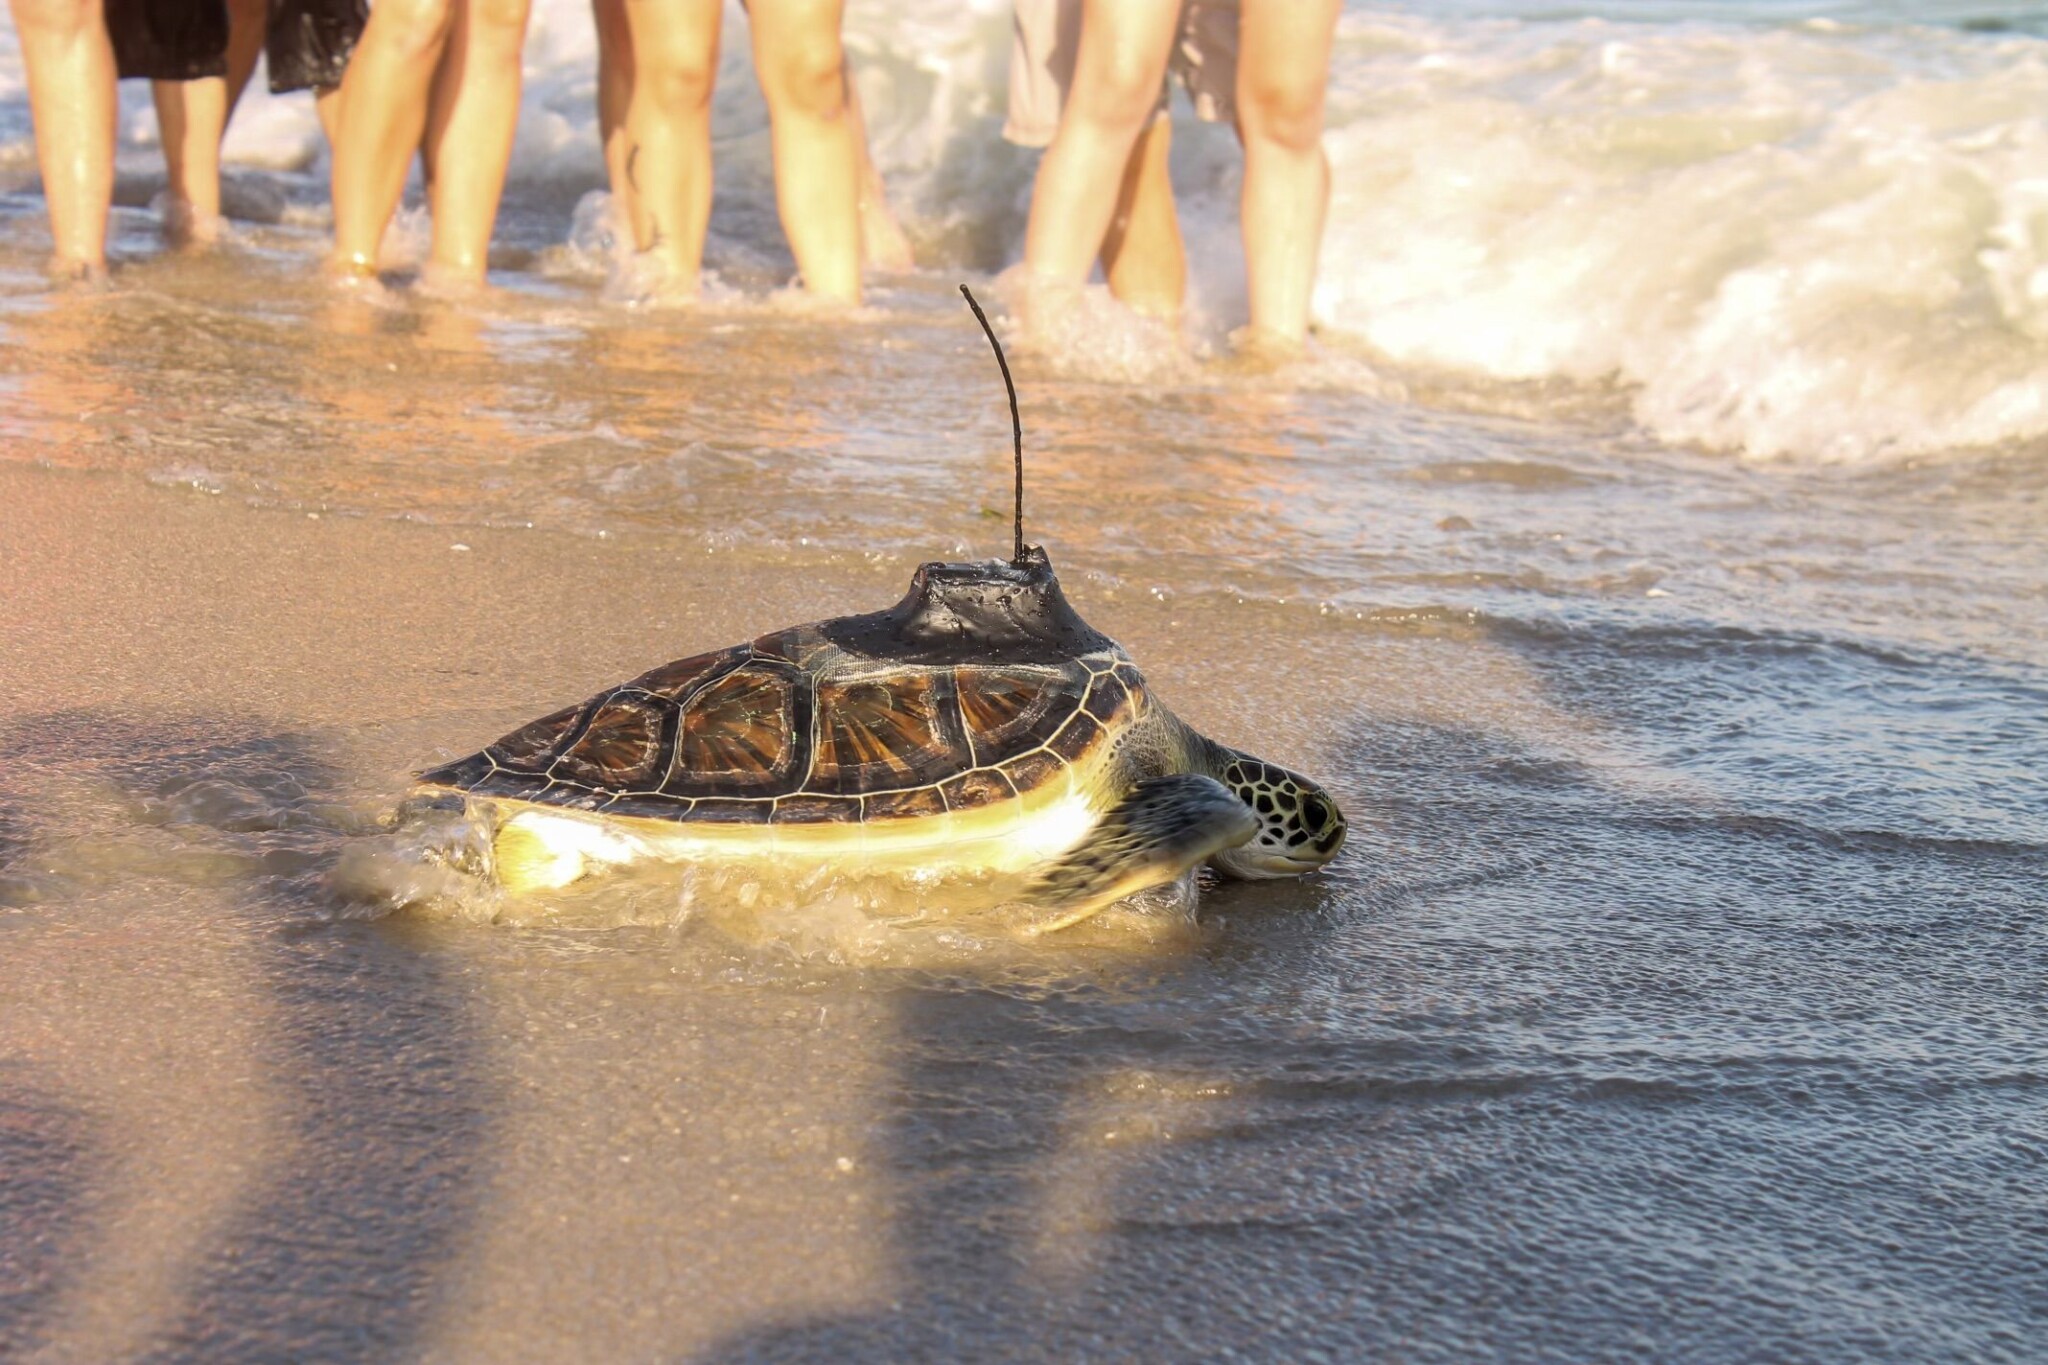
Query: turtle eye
[[1315, 813]]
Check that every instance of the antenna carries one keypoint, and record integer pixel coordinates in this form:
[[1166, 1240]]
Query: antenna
[[1016, 423]]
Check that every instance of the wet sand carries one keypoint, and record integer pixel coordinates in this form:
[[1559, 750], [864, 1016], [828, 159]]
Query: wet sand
[[1464, 1092], [422, 1140], [1649, 559]]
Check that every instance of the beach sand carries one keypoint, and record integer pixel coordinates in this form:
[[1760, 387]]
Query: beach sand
[[500, 1147], [1657, 586], [249, 1116]]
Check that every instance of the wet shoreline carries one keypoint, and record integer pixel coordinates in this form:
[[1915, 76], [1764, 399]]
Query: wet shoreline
[[1651, 978], [1675, 647]]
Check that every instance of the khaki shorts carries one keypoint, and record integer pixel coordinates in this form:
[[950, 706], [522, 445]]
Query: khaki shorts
[[1204, 57]]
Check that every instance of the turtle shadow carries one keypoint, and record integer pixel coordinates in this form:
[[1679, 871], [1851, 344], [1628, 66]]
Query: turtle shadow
[[354, 1043]]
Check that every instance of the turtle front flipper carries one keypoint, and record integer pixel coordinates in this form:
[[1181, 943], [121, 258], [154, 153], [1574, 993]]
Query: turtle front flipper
[[1164, 827]]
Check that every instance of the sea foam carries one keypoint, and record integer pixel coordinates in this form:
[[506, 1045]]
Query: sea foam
[[1813, 241]]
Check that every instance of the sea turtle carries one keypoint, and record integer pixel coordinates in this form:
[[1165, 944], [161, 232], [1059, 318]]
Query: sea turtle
[[979, 725]]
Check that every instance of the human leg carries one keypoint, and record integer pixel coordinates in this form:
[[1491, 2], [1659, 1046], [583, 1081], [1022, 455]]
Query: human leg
[[666, 161], [802, 69], [1283, 72], [191, 117], [1142, 254], [248, 23], [383, 113], [474, 112], [882, 243], [1117, 75], [70, 65], [327, 108], [614, 95]]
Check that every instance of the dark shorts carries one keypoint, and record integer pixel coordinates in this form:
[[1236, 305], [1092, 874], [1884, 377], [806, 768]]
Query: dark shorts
[[310, 42], [169, 40]]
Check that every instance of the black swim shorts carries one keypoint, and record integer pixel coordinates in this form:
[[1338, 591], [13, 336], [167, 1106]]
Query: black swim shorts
[[169, 40], [310, 41]]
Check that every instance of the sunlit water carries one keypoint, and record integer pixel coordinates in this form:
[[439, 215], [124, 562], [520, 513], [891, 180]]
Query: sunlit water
[[1677, 996]]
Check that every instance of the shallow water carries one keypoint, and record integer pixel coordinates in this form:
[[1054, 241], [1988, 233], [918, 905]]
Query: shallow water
[[1677, 995]]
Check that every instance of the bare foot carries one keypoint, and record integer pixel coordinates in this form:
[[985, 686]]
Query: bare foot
[[1260, 349], [184, 227], [1043, 309], [355, 279], [883, 246], [72, 275], [354, 266], [450, 282], [646, 279]]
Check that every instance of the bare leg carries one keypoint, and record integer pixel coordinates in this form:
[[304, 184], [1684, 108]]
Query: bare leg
[[614, 96], [882, 243], [666, 166], [1282, 73], [327, 108], [473, 114], [802, 68], [248, 24], [383, 113], [1117, 74], [1142, 254], [71, 98], [440, 92], [191, 116]]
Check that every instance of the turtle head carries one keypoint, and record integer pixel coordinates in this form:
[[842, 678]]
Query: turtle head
[[1300, 827]]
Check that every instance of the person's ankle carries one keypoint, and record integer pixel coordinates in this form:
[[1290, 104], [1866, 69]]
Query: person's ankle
[[883, 244], [1254, 340], [1263, 349], [826, 298], [441, 279], [87, 272], [350, 267], [184, 225], [652, 279], [1154, 306]]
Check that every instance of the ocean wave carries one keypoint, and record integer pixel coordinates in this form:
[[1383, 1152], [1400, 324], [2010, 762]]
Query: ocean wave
[[1808, 240], [1819, 239], [1815, 240]]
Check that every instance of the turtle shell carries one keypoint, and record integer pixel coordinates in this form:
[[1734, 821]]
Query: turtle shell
[[982, 685]]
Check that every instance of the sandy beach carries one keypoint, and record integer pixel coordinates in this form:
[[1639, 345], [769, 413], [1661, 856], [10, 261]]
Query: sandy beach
[[1675, 646], [1628, 888]]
